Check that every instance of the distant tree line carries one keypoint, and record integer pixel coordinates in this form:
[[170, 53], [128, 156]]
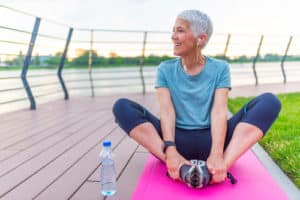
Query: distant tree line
[[115, 60], [265, 58]]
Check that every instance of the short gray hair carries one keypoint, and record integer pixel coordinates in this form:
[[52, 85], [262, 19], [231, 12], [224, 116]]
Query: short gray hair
[[199, 22]]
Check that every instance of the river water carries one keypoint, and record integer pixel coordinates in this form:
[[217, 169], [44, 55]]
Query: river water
[[46, 87]]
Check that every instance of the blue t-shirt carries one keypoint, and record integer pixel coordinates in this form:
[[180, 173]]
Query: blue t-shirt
[[192, 95]]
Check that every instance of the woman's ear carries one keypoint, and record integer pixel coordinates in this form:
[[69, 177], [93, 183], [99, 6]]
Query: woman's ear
[[201, 39], [199, 42]]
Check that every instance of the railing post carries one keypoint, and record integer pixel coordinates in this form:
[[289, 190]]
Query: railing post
[[283, 59], [255, 59], [62, 63], [142, 62], [226, 47], [27, 63], [91, 62]]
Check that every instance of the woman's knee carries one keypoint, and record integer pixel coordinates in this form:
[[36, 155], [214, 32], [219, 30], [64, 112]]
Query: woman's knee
[[120, 105], [272, 101], [123, 113]]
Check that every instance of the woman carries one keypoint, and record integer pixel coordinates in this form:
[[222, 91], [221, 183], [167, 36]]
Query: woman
[[192, 92]]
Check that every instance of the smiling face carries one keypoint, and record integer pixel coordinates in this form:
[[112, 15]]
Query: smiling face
[[183, 38]]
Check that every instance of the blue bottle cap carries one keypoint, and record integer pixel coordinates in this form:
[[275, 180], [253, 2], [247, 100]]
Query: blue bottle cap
[[106, 143]]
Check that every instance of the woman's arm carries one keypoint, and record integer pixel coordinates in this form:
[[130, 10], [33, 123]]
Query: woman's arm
[[167, 118], [167, 114], [215, 161]]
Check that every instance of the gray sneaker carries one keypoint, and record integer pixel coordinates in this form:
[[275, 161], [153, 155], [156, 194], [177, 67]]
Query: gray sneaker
[[196, 175]]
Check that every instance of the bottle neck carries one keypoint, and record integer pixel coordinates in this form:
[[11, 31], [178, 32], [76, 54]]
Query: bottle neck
[[107, 149]]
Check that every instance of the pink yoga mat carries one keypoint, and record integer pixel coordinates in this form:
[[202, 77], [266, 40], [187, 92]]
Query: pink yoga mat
[[254, 183]]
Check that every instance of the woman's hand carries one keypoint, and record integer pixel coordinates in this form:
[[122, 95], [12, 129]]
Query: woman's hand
[[174, 161], [217, 167]]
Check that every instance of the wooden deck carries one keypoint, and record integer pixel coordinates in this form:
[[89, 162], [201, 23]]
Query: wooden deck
[[53, 152]]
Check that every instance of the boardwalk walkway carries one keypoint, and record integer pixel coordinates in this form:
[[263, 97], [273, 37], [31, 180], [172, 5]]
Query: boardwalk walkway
[[53, 152]]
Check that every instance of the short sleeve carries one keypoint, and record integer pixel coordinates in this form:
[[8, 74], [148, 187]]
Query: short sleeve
[[224, 78], [160, 80]]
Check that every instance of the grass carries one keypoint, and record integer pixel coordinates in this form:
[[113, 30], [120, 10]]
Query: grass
[[282, 141], [19, 68]]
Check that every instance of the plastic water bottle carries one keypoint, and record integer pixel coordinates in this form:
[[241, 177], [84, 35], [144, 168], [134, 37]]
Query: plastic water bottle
[[107, 170]]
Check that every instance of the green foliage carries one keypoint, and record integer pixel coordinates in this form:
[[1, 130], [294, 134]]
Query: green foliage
[[82, 59], [115, 60], [54, 60], [17, 61], [282, 141]]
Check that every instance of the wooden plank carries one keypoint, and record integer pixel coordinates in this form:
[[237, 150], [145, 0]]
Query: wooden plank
[[42, 131], [19, 158], [66, 186], [37, 132], [142, 149], [122, 154], [52, 172], [18, 126], [39, 121], [63, 153], [90, 191], [60, 127], [13, 142], [126, 183], [276, 88], [49, 168], [130, 177], [49, 110], [24, 116], [7, 153]]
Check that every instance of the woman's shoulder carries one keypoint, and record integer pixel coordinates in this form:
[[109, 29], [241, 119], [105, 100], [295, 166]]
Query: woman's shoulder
[[217, 61], [217, 64], [169, 63]]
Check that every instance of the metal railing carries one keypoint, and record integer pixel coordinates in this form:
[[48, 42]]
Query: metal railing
[[138, 44]]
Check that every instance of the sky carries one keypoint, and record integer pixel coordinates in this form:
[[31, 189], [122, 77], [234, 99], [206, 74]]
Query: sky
[[269, 17], [245, 16]]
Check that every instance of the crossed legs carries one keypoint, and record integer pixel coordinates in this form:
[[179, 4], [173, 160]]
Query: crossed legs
[[245, 128]]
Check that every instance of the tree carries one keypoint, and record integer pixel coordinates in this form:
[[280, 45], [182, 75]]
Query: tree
[[53, 60], [17, 61], [83, 59], [36, 60]]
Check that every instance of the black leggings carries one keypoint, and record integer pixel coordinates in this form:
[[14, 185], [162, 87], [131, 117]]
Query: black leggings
[[195, 144]]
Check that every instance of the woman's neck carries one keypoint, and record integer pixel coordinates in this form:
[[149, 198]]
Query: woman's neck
[[193, 64]]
